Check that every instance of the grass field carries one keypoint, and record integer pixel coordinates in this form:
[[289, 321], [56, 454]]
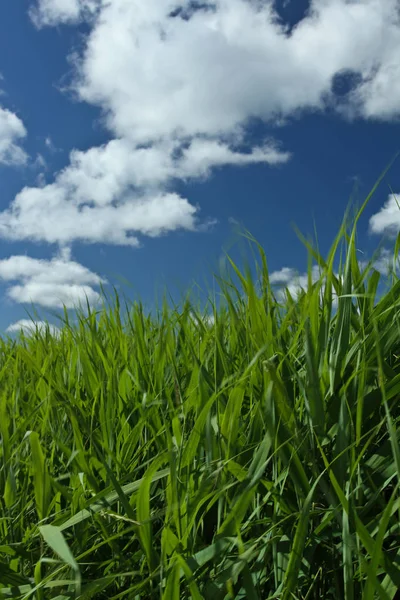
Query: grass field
[[254, 454]]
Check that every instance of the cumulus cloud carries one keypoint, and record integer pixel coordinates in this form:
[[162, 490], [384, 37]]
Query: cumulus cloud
[[53, 295], [46, 214], [179, 82], [387, 219], [289, 279], [12, 131], [294, 282], [31, 327], [115, 192], [180, 71], [50, 283]]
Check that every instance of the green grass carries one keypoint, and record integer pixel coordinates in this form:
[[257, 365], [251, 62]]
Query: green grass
[[255, 455]]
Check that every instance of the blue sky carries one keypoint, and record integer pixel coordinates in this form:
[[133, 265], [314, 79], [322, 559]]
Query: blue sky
[[133, 135]]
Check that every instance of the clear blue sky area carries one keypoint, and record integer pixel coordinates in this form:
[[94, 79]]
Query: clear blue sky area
[[135, 136]]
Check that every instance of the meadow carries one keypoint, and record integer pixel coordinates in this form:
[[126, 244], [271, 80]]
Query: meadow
[[246, 450]]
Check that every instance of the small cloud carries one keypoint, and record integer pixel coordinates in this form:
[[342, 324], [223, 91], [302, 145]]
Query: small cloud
[[50, 145], [50, 283], [207, 319], [387, 219], [29, 327], [289, 279], [383, 262], [12, 131], [40, 162]]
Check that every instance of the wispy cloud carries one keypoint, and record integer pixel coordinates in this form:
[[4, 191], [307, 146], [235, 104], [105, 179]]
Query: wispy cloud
[[52, 12], [51, 147]]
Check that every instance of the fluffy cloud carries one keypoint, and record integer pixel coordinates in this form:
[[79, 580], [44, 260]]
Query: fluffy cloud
[[12, 131], [59, 220], [387, 220], [49, 283], [178, 70], [31, 327], [116, 191], [289, 279], [178, 83], [53, 295]]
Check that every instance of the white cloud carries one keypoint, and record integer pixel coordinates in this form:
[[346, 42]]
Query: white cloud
[[383, 261], [204, 154], [49, 283], [207, 319], [210, 73], [114, 192], [294, 282], [290, 279], [30, 327], [46, 214], [51, 147], [178, 87], [387, 220], [12, 131], [52, 12], [53, 295]]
